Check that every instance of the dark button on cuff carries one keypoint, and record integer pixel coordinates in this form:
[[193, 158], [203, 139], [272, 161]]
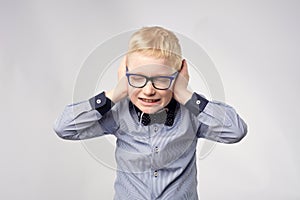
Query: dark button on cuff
[[98, 101], [196, 104], [101, 103]]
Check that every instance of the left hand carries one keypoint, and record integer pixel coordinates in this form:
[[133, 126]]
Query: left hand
[[180, 90]]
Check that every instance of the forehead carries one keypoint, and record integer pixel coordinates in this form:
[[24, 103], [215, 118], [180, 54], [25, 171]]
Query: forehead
[[139, 63]]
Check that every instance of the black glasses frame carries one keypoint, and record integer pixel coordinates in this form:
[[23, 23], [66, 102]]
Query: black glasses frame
[[172, 77]]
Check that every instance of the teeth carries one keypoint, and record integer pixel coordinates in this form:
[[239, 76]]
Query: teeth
[[149, 100]]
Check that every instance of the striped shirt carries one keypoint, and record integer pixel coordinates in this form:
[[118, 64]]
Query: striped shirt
[[155, 154]]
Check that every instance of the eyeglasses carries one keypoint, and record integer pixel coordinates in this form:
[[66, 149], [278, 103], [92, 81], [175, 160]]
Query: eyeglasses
[[158, 82]]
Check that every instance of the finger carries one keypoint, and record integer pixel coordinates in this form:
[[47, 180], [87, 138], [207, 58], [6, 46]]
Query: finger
[[122, 68], [124, 60], [184, 69]]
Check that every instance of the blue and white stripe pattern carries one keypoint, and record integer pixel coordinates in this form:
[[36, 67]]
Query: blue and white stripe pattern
[[155, 161]]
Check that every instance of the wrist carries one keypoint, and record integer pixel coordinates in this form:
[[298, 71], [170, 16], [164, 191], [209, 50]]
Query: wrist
[[115, 96], [111, 96], [183, 96]]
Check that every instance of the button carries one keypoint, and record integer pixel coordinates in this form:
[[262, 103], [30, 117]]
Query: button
[[155, 129], [198, 102], [156, 149], [98, 101], [155, 173]]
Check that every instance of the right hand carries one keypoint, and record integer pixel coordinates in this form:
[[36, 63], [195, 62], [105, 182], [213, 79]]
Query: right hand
[[121, 90]]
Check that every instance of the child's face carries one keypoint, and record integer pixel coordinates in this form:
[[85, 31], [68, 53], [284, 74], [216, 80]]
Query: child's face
[[149, 99]]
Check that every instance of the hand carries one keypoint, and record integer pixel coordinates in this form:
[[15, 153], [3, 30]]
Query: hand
[[180, 90], [121, 90]]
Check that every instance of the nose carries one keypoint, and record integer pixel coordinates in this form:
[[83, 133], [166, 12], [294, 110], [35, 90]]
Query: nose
[[148, 89]]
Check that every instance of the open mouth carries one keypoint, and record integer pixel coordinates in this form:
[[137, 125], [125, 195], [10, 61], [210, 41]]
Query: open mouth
[[149, 100]]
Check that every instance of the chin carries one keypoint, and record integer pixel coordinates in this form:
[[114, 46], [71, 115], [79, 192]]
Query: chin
[[150, 110]]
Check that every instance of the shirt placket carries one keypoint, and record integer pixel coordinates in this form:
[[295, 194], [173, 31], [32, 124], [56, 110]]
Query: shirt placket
[[155, 171]]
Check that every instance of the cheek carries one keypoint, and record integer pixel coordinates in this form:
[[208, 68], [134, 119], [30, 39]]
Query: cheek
[[167, 96], [133, 94]]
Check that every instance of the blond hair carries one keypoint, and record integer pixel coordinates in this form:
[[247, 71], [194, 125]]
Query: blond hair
[[157, 42]]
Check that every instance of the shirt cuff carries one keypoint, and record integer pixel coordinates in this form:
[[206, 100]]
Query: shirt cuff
[[196, 104], [101, 103]]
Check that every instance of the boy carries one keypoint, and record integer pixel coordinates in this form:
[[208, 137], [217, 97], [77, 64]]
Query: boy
[[157, 121]]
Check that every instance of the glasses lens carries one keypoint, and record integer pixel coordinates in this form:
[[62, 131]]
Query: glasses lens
[[137, 81], [162, 83]]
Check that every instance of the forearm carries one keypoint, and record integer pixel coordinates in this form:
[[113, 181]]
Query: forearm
[[223, 123], [217, 121], [84, 120]]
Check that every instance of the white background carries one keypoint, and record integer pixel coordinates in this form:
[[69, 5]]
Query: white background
[[253, 44]]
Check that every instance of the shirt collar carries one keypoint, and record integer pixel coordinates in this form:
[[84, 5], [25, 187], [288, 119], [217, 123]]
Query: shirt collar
[[165, 116]]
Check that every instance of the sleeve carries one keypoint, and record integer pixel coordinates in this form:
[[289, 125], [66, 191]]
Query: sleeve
[[87, 119], [217, 121]]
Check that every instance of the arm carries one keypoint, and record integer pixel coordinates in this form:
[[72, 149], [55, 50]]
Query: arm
[[95, 117], [87, 119], [217, 121]]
